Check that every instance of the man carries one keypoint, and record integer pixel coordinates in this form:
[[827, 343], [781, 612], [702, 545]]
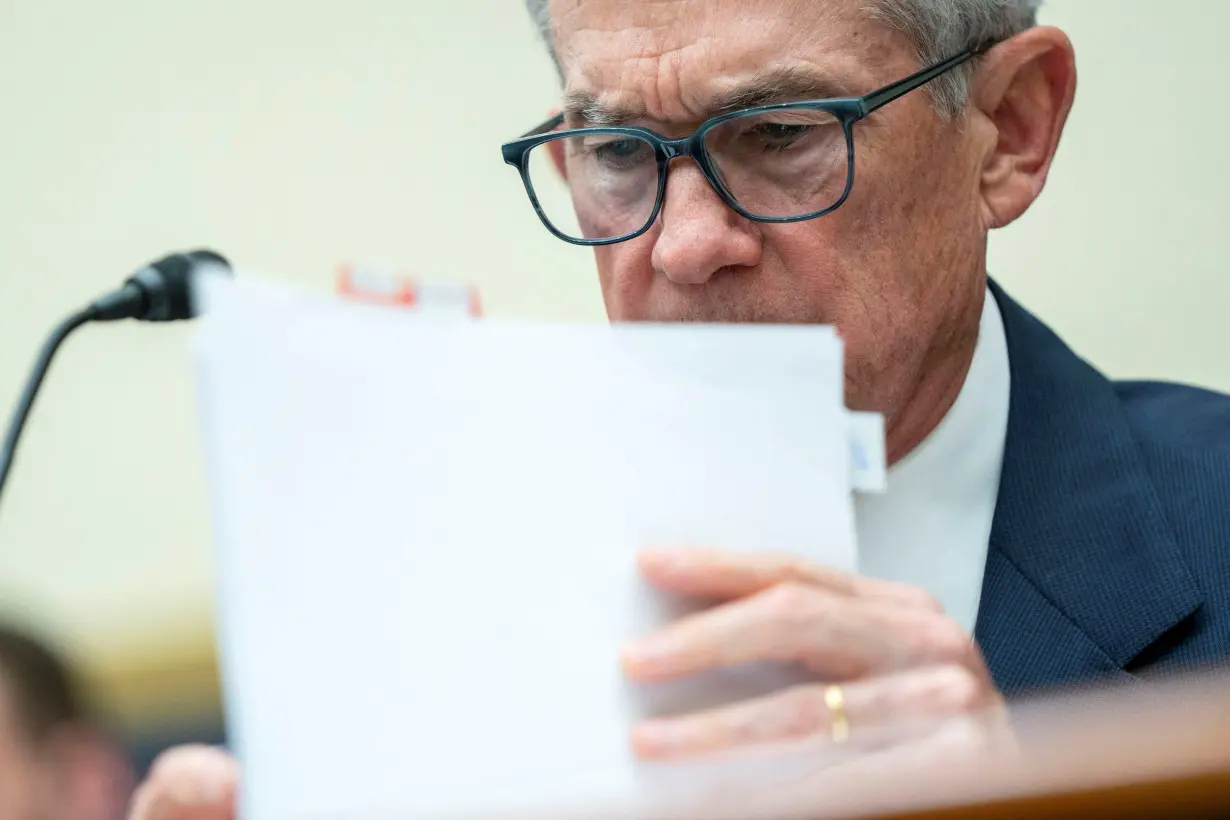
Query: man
[[54, 764], [1077, 529]]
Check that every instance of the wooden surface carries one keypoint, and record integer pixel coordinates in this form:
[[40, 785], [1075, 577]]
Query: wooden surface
[[1192, 796]]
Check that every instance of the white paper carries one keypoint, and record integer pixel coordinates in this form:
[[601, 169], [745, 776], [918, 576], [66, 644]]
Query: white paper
[[426, 535]]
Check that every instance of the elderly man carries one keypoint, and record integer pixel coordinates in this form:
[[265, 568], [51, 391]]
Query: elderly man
[[843, 162]]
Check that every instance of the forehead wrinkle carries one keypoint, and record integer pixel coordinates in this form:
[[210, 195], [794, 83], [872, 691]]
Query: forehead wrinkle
[[644, 88], [672, 61], [786, 83]]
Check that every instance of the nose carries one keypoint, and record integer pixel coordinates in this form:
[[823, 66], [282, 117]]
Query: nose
[[699, 234]]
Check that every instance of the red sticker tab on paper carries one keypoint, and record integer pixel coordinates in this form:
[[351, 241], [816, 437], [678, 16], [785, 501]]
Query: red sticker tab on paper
[[387, 287]]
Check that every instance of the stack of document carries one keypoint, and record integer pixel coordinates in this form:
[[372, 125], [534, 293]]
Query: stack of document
[[426, 532]]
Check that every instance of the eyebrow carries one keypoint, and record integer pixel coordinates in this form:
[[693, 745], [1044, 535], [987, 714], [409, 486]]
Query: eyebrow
[[585, 108], [787, 84]]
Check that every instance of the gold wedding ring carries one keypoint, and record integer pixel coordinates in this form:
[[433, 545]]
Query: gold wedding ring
[[839, 724]]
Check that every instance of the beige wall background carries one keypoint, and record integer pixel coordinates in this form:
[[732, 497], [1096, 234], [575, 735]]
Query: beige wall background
[[294, 136]]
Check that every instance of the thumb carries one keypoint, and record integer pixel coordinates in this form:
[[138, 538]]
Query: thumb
[[188, 783]]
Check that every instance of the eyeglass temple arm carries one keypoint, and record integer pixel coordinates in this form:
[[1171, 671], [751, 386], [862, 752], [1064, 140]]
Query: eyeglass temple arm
[[545, 127], [888, 93]]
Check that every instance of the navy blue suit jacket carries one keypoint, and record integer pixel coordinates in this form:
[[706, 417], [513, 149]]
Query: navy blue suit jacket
[[1110, 551]]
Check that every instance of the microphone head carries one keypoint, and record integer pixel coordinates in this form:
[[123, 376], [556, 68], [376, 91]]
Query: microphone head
[[167, 284]]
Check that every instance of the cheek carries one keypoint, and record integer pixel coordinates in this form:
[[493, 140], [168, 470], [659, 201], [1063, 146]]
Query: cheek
[[625, 273], [890, 240], [815, 260], [834, 265], [915, 195]]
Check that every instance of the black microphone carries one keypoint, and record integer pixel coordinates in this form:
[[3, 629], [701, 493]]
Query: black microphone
[[161, 291]]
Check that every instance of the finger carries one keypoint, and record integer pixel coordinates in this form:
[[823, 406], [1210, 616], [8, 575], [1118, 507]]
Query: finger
[[188, 783], [922, 770], [790, 715], [927, 767], [878, 712], [725, 574], [838, 637]]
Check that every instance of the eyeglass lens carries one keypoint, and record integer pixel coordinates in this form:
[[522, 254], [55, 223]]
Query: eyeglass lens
[[778, 164]]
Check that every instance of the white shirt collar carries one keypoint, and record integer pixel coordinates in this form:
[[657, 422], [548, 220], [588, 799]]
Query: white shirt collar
[[932, 527]]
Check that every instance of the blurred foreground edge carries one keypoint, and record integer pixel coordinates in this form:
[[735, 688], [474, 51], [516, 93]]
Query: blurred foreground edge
[[1142, 749], [1156, 749]]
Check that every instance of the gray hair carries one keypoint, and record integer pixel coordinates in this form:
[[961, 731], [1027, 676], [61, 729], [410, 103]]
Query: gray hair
[[937, 28]]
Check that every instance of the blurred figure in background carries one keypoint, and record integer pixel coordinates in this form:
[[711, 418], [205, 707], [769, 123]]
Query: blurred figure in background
[[56, 763]]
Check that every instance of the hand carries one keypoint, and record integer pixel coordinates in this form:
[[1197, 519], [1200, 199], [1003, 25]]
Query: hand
[[899, 660], [188, 783]]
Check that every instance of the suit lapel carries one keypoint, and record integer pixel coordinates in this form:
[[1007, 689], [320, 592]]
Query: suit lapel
[[1083, 571]]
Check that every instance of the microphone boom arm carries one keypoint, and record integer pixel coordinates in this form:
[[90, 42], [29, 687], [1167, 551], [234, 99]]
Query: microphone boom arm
[[33, 383]]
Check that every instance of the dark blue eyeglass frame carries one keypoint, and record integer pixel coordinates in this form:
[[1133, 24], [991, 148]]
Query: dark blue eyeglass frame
[[847, 111]]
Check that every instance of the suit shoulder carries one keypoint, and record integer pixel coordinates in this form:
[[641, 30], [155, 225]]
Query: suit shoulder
[[1178, 417]]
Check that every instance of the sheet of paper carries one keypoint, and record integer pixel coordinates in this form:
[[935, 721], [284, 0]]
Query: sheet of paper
[[426, 534]]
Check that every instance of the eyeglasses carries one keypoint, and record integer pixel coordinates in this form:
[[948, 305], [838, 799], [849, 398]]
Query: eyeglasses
[[786, 162]]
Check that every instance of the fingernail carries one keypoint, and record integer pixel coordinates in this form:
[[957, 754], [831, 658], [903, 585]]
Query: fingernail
[[212, 790], [662, 559], [653, 555], [217, 780], [654, 738], [647, 652]]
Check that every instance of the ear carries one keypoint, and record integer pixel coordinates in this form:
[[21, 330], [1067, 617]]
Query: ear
[[1024, 89], [556, 149]]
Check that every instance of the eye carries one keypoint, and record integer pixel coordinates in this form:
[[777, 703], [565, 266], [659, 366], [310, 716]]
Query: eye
[[779, 134], [619, 149]]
